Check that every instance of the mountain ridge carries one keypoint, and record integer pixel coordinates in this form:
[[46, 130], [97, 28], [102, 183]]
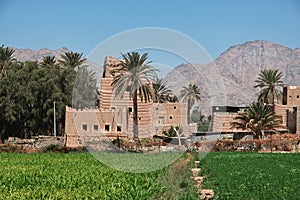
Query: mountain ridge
[[237, 68], [228, 80]]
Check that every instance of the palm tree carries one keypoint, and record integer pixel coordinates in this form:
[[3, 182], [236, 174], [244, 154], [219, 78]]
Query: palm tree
[[85, 89], [190, 93], [135, 75], [257, 117], [161, 91], [172, 98], [71, 59], [269, 81], [48, 61], [6, 57]]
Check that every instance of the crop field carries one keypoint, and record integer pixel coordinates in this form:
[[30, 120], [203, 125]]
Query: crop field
[[252, 175], [81, 176]]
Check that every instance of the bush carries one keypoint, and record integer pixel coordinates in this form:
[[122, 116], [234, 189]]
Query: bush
[[51, 147], [171, 131]]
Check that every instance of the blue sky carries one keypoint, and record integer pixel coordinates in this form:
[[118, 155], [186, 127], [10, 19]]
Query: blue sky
[[82, 25]]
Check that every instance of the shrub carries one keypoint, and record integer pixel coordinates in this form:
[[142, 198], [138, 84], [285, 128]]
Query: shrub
[[171, 131]]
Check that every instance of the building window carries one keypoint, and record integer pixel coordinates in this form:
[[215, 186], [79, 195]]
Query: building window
[[119, 128], [106, 127], [113, 108], [171, 117], [140, 118], [298, 96], [130, 109], [161, 120], [84, 127], [95, 127], [174, 107]]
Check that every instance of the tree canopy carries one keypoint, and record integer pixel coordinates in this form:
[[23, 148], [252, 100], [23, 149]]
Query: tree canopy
[[258, 117], [190, 94], [269, 81], [27, 92]]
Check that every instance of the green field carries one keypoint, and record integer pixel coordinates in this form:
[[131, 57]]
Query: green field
[[81, 176], [252, 175]]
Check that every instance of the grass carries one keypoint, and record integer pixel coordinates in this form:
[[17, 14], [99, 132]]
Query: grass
[[81, 176], [137, 162], [252, 175]]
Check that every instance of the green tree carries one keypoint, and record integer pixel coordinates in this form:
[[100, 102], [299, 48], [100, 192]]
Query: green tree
[[257, 118], [18, 101], [202, 121], [172, 98], [269, 81], [161, 91], [48, 61], [85, 93], [71, 59], [135, 75], [27, 93], [190, 94], [6, 58]]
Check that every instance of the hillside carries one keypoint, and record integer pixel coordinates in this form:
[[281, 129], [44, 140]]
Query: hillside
[[234, 72]]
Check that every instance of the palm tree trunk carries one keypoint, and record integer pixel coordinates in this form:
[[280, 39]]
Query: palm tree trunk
[[188, 111], [135, 121], [178, 136]]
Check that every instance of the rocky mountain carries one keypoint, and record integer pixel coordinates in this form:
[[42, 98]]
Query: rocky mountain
[[229, 80], [29, 54]]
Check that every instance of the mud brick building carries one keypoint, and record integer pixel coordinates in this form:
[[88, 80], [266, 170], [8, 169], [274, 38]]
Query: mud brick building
[[114, 116], [289, 111]]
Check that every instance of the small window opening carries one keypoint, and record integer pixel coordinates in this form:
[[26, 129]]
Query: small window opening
[[95, 127], [298, 96], [106, 127], [174, 107], [119, 128], [130, 109], [84, 127], [171, 117]]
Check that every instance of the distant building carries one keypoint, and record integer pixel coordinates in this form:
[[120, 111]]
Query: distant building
[[289, 110], [222, 116], [114, 117]]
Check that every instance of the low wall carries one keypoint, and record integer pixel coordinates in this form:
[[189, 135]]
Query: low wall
[[37, 141], [275, 143]]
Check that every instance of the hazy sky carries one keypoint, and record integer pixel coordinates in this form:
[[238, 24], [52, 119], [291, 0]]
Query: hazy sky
[[82, 25]]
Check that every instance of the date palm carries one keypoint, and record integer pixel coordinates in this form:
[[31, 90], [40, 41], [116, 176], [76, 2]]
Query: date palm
[[269, 81], [48, 61], [190, 94], [134, 75], [172, 98], [257, 117], [6, 57], [161, 91], [85, 89], [71, 59]]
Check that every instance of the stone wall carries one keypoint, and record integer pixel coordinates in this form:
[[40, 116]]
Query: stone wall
[[37, 142]]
